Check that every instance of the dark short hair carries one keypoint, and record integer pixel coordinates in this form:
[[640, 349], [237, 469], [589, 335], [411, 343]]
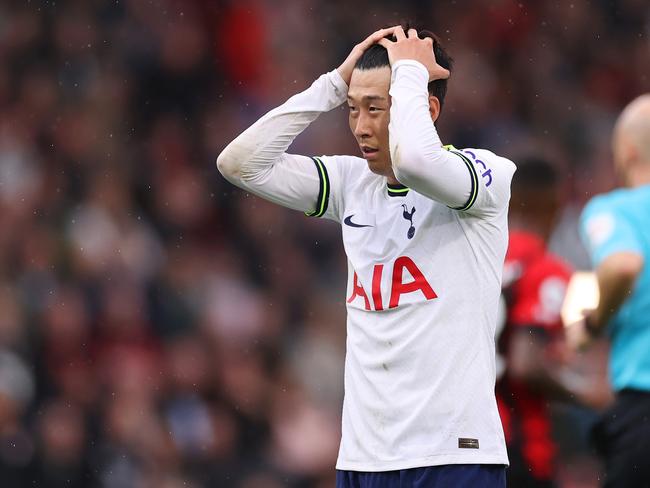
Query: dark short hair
[[534, 173], [376, 56]]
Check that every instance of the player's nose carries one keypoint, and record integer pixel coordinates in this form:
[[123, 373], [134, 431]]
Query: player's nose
[[362, 127]]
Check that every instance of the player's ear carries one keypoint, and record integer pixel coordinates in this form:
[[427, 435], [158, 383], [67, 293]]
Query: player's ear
[[625, 154], [434, 107]]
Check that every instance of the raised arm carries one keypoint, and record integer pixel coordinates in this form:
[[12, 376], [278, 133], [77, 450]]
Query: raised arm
[[256, 160], [467, 181]]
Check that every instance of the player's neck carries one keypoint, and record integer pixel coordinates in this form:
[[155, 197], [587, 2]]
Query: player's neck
[[392, 180]]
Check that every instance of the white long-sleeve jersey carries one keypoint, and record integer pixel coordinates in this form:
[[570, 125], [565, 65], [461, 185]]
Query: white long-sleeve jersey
[[424, 273]]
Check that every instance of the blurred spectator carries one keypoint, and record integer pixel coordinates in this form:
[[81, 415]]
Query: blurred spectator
[[17, 447], [532, 353]]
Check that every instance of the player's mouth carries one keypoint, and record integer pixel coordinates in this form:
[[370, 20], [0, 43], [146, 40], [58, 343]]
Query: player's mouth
[[369, 152]]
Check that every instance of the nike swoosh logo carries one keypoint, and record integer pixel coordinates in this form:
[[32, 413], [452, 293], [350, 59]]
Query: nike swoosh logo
[[348, 221]]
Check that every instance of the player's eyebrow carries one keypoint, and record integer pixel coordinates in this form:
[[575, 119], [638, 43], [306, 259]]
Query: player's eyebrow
[[367, 98]]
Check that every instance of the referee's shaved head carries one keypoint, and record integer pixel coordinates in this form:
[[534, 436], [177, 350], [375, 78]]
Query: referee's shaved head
[[631, 140], [376, 56], [634, 123]]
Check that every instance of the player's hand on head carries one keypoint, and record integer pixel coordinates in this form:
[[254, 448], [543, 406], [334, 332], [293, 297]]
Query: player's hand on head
[[346, 68], [410, 46]]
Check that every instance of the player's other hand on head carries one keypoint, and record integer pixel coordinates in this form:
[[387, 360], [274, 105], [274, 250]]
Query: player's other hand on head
[[412, 47], [346, 68]]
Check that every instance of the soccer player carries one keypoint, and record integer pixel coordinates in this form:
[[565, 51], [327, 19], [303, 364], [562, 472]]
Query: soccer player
[[425, 232], [531, 342], [616, 229]]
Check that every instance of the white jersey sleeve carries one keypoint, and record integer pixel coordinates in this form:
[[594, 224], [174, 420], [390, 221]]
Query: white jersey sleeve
[[475, 182], [256, 160]]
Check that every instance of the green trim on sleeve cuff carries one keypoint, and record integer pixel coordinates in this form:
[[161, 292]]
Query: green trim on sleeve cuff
[[473, 194], [324, 190]]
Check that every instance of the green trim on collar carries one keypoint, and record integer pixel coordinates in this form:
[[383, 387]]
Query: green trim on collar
[[397, 190]]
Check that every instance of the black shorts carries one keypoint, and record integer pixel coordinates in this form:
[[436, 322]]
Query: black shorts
[[446, 476], [622, 438]]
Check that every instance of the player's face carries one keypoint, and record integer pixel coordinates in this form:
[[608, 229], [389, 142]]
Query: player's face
[[369, 105]]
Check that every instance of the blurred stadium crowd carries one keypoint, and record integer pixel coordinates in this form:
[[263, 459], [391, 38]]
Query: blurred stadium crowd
[[159, 328]]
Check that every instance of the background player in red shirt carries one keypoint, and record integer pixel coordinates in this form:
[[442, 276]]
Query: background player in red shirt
[[532, 368]]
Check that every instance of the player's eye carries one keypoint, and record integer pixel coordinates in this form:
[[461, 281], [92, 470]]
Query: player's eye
[[374, 109], [352, 108]]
